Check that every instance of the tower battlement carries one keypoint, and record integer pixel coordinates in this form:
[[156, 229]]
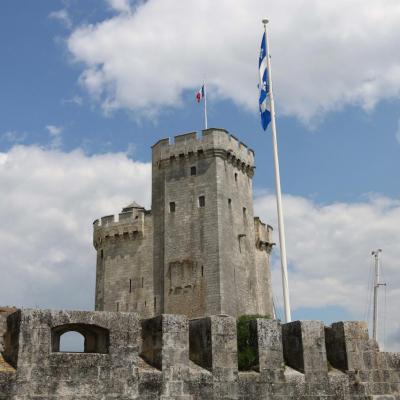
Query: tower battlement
[[171, 357], [213, 141], [126, 224], [263, 234]]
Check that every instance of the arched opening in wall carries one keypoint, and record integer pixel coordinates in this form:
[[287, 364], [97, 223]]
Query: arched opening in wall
[[80, 338], [72, 342]]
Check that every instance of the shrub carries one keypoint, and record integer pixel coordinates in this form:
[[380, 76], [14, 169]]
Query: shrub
[[247, 346]]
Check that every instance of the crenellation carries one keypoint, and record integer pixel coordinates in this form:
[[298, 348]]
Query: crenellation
[[212, 142], [170, 357]]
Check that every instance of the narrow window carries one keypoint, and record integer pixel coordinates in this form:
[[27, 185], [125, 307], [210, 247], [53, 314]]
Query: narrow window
[[235, 177], [117, 306], [145, 303], [202, 270], [244, 212], [130, 285], [155, 303], [142, 281], [229, 202], [202, 201], [172, 207], [193, 171], [101, 253]]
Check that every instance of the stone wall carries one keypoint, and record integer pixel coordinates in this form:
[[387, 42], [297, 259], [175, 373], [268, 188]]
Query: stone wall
[[172, 358]]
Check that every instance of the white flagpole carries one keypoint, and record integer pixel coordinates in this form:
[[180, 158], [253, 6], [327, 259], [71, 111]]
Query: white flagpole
[[205, 104], [282, 244]]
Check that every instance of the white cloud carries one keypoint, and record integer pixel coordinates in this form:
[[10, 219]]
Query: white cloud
[[325, 55], [55, 134], [62, 16], [120, 5], [329, 252], [13, 137], [48, 203]]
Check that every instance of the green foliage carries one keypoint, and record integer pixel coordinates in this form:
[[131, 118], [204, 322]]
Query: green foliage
[[247, 348]]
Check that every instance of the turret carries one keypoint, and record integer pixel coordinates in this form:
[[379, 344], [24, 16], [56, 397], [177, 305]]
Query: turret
[[124, 279]]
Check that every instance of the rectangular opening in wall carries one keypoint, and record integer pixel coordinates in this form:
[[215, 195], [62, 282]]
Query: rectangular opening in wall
[[155, 304], [142, 281], [244, 213], [172, 207], [202, 201], [193, 171], [229, 202], [130, 285], [117, 306], [102, 254], [202, 270]]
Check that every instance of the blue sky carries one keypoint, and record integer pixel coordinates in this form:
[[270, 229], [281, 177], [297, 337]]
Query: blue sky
[[92, 85]]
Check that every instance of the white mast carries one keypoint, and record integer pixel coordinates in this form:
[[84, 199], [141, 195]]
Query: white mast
[[282, 244], [375, 254], [205, 104]]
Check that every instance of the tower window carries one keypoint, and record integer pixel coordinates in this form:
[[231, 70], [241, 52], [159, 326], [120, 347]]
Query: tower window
[[202, 270], [229, 202], [101, 253], [117, 306], [235, 177], [155, 303], [142, 281], [244, 212], [130, 285], [202, 201], [193, 171], [172, 207]]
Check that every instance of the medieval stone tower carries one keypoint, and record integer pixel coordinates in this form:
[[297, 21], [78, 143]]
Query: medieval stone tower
[[200, 250]]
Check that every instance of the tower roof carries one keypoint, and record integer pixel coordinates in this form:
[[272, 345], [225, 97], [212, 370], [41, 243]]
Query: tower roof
[[132, 205]]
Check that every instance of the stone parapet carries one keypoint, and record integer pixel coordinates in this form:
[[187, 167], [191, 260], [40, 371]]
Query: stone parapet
[[171, 358], [263, 235], [122, 226], [212, 141]]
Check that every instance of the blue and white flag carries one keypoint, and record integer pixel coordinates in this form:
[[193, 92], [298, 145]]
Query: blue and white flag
[[263, 101]]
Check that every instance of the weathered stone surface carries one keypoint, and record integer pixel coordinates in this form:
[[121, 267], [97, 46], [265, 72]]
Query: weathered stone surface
[[171, 358]]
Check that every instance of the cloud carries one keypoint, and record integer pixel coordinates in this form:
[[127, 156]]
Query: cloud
[[48, 203], [55, 134], [324, 55], [329, 253], [120, 5], [62, 16], [13, 137]]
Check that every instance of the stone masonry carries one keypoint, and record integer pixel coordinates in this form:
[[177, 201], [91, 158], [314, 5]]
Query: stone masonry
[[200, 250], [170, 357]]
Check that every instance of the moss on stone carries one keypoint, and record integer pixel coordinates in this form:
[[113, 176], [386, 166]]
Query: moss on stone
[[247, 346]]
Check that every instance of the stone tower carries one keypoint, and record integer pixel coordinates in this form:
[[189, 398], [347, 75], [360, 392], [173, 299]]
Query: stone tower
[[200, 251]]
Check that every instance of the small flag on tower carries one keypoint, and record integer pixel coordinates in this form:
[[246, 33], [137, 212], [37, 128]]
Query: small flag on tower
[[264, 102], [200, 94]]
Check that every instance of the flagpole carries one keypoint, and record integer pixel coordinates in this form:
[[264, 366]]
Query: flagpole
[[285, 283], [205, 104]]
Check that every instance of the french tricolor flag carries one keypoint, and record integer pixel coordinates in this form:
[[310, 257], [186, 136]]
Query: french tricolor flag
[[200, 94]]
